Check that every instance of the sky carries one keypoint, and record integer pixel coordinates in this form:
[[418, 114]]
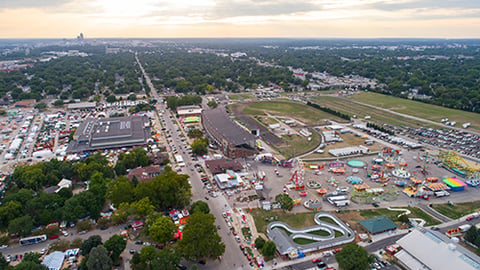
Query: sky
[[240, 18]]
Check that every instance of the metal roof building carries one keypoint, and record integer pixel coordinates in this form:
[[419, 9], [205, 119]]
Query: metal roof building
[[426, 249], [377, 225], [233, 140], [105, 133], [54, 260], [81, 105]]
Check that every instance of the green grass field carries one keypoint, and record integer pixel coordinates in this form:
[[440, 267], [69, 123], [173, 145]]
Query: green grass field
[[393, 215], [457, 210], [299, 111], [418, 109], [295, 145], [346, 106], [298, 220]]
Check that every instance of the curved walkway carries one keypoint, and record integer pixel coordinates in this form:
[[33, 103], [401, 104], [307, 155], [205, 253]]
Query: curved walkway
[[286, 244], [420, 222]]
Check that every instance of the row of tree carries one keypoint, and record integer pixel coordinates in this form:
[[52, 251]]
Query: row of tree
[[330, 111]]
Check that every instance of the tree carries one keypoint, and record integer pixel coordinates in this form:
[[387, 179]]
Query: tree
[[3, 262], [259, 242], [162, 230], [403, 218], [98, 259], [111, 99], [268, 250], [29, 265], [41, 106], [199, 147], [61, 245], [132, 97], [200, 238], [32, 257], [22, 226], [472, 234], [200, 206], [212, 104], [120, 190], [195, 133], [76, 243], [115, 245], [285, 201], [353, 257], [91, 242], [58, 103], [142, 207], [166, 259]]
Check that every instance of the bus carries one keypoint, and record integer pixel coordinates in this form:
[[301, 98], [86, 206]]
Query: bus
[[33, 240]]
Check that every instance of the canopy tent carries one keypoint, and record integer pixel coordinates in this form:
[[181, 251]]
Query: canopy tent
[[454, 183], [437, 187]]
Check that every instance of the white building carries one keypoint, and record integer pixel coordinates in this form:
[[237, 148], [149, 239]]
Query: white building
[[426, 249]]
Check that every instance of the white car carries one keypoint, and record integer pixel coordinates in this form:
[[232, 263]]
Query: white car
[[3, 246], [65, 233]]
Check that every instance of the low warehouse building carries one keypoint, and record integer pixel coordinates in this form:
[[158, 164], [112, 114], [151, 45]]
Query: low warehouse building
[[107, 133]]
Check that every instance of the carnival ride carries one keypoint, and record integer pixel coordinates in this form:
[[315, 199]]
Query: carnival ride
[[401, 173], [454, 163], [313, 184], [297, 180], [474, 180], [322, 191]]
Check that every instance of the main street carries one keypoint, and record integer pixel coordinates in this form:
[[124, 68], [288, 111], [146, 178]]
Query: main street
[[232, 258]]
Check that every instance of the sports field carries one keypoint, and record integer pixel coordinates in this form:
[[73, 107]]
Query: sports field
[[346, 106], [419, 109]]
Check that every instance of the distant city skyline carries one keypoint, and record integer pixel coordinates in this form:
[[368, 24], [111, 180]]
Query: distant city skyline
[[240, 18]]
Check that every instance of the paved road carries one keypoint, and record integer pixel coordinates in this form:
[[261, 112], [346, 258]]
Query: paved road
[[17, 249], [232, 258], [434, 213]]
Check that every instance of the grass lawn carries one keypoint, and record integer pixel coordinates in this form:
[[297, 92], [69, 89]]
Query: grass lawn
[[346, 106], [267, 120], [320, 233], [348, 140], [457, 210], [418, 213], [302, 241], [299, 111], [296, 144], [298, 220], [419, 109]]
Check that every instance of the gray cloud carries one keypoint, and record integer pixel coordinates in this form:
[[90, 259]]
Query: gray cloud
[[433, 4], [31, 3], [227, 8]]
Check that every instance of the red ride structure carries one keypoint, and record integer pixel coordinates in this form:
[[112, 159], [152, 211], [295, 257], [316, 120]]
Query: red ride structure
[[297, 181]]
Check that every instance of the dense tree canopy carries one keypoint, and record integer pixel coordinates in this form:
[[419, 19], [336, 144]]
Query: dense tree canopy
[[200, 238], [286, 202], [353, 257]]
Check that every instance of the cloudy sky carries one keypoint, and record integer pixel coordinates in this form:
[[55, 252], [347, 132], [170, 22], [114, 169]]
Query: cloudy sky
[[239, 18]]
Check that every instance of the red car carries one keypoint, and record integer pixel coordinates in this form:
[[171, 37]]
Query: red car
[[303, 194], [316, 260]]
